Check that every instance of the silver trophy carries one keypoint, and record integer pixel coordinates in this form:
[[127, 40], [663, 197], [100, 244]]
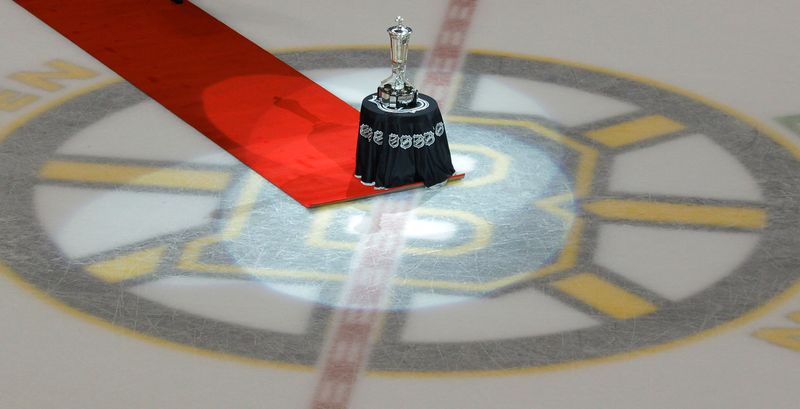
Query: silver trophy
[[396, 92]]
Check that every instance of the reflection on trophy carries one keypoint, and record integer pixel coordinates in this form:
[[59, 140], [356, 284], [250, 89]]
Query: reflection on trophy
[[396, 92]]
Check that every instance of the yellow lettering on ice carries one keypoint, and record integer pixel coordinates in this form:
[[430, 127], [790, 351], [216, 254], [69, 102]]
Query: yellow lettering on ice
[[11, 101], [785, 337], [45, 80]]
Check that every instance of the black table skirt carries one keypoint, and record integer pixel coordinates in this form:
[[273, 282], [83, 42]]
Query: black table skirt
[[396, 148]]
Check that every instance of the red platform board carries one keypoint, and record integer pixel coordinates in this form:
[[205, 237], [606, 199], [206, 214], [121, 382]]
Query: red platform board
[[274, 119]]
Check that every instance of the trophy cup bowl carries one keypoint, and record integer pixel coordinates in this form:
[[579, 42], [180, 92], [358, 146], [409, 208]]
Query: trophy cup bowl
[[396, 92]]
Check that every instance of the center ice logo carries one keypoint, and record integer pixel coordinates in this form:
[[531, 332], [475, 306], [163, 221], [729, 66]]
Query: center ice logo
[[594, 204]]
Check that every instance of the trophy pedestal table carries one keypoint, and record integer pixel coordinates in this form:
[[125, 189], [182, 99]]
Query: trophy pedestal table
[[400, 147]]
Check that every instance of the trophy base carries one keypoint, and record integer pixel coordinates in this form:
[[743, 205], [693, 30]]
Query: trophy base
[[391, 98]]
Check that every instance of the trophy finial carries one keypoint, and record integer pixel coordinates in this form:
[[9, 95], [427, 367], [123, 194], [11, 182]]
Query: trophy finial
[[399, 21]]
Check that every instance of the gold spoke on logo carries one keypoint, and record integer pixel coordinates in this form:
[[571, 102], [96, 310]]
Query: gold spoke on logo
[[135, 175], [635, 130], [672, 213], [604, 296], [128, 266]]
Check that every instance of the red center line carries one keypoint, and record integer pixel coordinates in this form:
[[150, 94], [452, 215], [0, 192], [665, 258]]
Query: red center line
[[356, 324], [364, 296], [447, 55]]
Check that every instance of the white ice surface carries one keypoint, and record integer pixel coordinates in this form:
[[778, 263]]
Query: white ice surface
[[464, 319], [80, 365], [248, 303], [691, 166], [567, 106], [83, 222], [673, 263], [146, 131], [350, 85]]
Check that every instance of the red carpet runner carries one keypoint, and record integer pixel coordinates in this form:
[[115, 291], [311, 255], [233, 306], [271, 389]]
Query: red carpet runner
[[278, 122]]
